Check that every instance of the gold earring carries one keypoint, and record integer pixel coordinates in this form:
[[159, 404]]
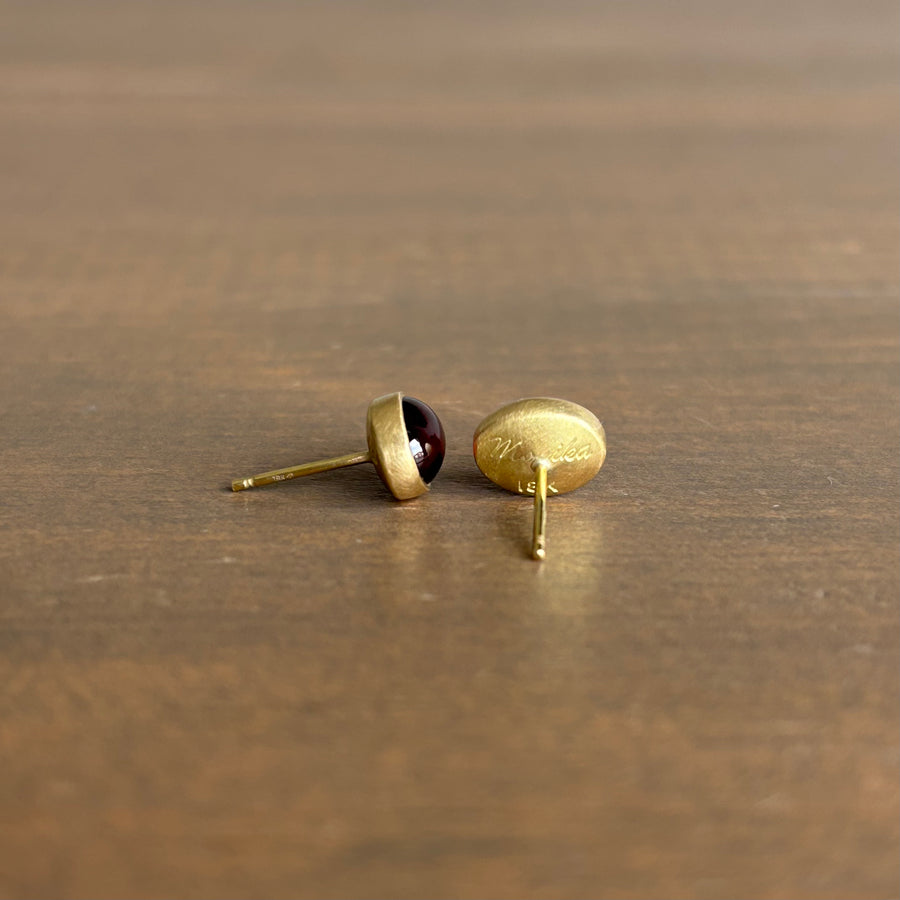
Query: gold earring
[[405, 443], [537, 445]]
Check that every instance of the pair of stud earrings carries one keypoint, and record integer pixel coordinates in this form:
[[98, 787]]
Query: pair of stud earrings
[[518, 447]]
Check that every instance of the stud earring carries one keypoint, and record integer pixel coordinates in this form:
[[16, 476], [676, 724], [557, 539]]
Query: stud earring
[[538, 445], [406, 445]]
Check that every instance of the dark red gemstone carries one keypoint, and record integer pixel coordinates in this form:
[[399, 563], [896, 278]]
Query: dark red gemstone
[[426, 437]]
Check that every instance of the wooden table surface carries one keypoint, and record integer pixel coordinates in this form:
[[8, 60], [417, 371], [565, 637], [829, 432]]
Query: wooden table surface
[[224, 228]]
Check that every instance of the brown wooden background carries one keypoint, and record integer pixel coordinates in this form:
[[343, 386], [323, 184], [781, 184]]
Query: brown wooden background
[[224, 228]]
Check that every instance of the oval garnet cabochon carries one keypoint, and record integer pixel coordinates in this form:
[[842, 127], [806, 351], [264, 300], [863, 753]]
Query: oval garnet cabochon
[[426, 437]]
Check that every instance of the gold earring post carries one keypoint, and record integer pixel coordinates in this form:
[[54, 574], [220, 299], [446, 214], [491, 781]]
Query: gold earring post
[[539, 535], [322, 465]]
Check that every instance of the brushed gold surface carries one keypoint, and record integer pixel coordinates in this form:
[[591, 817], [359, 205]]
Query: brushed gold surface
[[541, 446], [389, 447], [510, 442]]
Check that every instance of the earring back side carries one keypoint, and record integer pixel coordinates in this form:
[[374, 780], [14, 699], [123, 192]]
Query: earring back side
[[513, 441]]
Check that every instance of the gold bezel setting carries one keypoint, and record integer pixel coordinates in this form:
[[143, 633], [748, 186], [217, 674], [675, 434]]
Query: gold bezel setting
[[389, 447]]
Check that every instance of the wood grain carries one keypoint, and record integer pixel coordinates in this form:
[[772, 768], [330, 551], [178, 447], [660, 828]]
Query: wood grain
[[224, 228]]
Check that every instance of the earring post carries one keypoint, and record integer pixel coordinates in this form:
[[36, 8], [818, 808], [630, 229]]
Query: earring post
[[311, 468], [539, 538]]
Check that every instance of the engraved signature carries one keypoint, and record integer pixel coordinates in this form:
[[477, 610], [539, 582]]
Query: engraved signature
[[507, 449]]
